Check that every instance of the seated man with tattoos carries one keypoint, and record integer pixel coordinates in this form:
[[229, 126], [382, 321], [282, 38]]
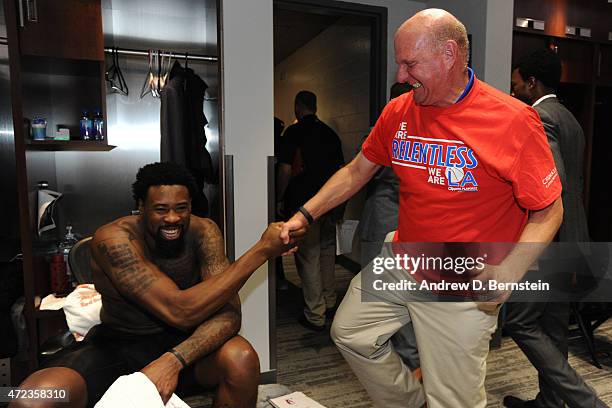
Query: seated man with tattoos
[[169, 302]]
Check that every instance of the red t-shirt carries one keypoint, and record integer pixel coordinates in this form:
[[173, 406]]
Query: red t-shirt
[[468, 172]]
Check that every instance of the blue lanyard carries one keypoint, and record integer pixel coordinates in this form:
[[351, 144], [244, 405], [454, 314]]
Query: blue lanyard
[[468, 86]]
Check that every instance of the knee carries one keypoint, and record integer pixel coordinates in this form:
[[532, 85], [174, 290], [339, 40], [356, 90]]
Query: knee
[[26, 403], [517, 327], [52, 378], [20, 403], [335, 332], [353, 339], [240, 361], [340, 334]]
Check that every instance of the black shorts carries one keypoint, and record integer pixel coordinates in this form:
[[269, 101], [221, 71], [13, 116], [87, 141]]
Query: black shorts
[[106, 354]]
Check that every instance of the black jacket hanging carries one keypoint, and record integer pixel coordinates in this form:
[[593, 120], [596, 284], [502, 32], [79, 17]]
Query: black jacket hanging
[[183, 140]]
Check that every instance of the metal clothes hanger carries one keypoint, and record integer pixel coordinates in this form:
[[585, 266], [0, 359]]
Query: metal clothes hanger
[[157, 79], [185, 71], [120, 85], [146, 87], [114, 76], [109, 75], [160, 64], [164, 67]]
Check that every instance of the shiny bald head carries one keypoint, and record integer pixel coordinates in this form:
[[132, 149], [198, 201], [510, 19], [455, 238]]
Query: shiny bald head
[[431, 52], [439, 26]]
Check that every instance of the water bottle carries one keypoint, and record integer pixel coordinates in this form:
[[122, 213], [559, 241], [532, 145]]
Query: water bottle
[[86, 127], [98, 125], [65, 246], [60, 285], [39, 129]]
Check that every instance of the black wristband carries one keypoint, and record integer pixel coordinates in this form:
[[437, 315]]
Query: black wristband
[[306, 215], [179, 357]]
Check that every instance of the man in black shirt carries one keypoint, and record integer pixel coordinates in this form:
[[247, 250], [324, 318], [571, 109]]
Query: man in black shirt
[[310, 154]]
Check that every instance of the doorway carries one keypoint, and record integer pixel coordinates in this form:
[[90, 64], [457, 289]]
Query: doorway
[[338, 51]]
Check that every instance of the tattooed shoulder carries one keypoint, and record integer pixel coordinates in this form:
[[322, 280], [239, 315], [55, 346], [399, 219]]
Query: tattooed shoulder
[[211, 249], [124, 266]]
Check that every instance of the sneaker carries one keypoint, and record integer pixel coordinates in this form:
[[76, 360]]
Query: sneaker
[[515, 402], [310, 326]]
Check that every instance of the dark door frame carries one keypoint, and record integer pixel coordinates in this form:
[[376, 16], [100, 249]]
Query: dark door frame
[[378, 99]]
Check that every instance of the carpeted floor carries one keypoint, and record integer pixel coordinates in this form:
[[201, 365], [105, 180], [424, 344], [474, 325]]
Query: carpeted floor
[[309, 362]]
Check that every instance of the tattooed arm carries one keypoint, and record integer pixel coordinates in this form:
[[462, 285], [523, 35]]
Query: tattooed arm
[[210, 334], [225, 324], [122, 258], [208, 337]]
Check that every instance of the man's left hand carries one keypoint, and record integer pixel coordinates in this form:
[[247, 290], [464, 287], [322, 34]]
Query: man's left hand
[[498, 273], [164, 372]]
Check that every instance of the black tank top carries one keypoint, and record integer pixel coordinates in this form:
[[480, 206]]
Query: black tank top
[[125, 315]]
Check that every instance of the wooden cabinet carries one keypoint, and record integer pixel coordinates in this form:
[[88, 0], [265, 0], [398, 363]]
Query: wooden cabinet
[[557, 14], [59, 90], [61, 53], [604, 65], [600, 215], [61, 29], [56, 59], [577, 60]]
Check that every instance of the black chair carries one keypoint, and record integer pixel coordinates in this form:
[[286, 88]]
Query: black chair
[[591, 282], [79, 260], [589, 316]]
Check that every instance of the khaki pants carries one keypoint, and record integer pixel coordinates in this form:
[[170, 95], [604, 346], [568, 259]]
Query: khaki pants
[[452, 338], [315, 262]]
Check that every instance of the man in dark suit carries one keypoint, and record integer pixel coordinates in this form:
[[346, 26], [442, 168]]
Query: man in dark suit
[[540, 328]]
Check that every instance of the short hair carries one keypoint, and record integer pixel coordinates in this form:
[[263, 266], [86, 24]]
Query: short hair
[[307, 99], [544, 65], [399, 88], [452, 31], [162, 174]]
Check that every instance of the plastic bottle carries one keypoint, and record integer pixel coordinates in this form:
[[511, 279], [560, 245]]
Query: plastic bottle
[[65, 246], [39, 129], [98, 125], [59, 280], [86, 126]]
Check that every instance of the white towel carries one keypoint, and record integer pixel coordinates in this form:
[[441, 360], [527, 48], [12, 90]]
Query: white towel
[[136, 391]]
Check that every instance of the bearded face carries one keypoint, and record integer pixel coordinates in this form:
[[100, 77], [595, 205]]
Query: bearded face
[[166, 212]]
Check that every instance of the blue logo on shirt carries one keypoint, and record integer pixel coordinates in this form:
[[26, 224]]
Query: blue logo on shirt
[[448, 162]]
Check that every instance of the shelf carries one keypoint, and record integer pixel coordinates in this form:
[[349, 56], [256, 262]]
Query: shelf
[[551, 36], [44, 247], [68, 145], [542, 33], [44, 65]]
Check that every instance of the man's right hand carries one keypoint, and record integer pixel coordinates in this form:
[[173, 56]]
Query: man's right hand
[[273, 242], [164, 373], [295, 223]]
